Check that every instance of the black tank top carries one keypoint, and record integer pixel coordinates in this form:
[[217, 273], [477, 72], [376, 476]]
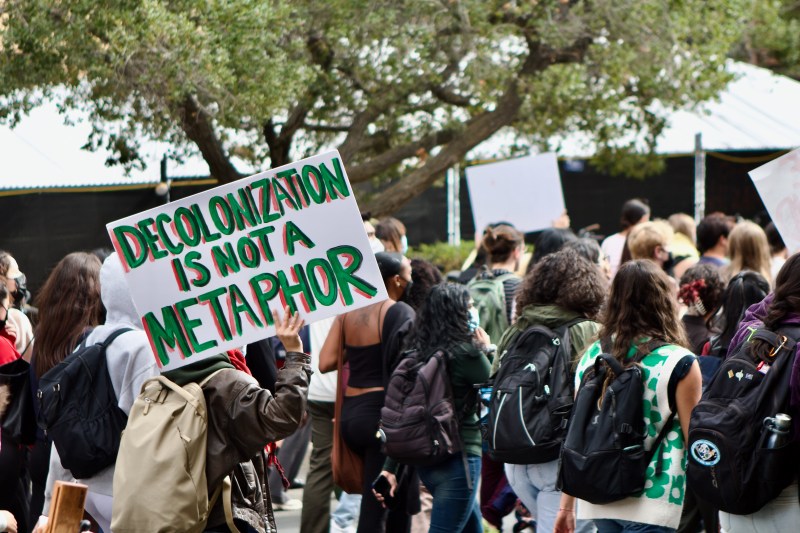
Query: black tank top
[[366, 365], [366, 362]]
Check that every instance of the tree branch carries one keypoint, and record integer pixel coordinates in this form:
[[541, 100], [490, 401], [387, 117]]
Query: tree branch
[[394, 156], [448, 96], [355, 137], [196, 123], [478, 129], [325, 127]]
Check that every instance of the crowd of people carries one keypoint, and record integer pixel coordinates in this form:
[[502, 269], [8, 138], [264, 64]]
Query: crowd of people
[[673, 297]]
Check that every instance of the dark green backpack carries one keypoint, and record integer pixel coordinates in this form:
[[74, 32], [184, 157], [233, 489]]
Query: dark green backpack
[[489, 299]]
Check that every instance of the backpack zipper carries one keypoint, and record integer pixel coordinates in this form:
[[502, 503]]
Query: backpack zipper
[[522, 419], [499, 410]]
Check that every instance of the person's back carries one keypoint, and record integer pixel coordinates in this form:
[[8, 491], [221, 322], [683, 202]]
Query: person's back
[[781, 308], [641, 308], [130, 364], [563, 289], [369, 340], [444, 325], [242, 418]]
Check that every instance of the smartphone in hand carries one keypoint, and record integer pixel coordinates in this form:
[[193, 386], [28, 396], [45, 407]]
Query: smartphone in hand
[[382, 487]]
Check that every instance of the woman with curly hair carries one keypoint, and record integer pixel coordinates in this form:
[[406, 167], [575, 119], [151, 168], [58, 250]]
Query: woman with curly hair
[[445, 322], [640, 309], [563, 288], [700, 291]]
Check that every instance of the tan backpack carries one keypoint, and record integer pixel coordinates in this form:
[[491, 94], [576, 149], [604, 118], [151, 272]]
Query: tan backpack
[[160, 474]]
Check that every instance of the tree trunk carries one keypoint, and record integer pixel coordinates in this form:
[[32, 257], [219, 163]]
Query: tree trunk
[[198, 128]]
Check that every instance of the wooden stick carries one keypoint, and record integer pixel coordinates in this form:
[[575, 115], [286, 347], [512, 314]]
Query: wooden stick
[[66, 508]]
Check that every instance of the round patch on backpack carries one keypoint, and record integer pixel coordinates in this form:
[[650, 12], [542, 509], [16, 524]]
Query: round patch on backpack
[[705, 452]]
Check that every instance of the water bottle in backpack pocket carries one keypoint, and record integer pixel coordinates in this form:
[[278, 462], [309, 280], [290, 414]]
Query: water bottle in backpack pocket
[[741, 455]]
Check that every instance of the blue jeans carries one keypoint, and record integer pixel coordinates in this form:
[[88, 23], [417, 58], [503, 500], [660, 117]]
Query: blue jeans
[[535, 485], [605, 525], [781, 514], [455, 504], [346, 513]]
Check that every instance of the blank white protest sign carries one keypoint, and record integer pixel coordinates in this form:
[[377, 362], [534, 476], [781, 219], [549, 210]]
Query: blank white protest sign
[[525, 192], [778, 184]]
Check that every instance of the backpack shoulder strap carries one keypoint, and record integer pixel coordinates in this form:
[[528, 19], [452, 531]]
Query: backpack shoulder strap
[[656, 443], [177, 389], [114, 335], [505, 276], [646, 348], [575, 322]]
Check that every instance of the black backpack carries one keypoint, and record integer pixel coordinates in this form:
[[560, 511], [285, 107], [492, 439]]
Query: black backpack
[[78, 409], [532, 397], [603, 458], [419, 424], [729, 466]]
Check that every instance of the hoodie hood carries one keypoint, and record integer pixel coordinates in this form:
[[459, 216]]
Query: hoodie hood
[[116, 295], [550, 316], [754, 318]]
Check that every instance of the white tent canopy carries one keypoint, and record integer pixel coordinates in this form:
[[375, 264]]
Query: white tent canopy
[[757, 111]]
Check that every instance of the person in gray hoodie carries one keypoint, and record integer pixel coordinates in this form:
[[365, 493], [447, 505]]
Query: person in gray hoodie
[[130, 363]]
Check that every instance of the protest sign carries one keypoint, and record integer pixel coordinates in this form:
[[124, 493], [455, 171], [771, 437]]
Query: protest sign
[[525, 192], [205, 272], [778, 184]]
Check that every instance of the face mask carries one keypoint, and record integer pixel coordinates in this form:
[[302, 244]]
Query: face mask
[[474, 320], [404, 244], [376, 245]]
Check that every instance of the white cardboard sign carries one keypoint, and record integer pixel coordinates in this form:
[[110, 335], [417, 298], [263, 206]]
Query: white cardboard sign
[[778, 184], [205, 272], [525, 192]]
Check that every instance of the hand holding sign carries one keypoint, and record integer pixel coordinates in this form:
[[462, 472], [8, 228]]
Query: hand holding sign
[[288, 330], [207, 272]]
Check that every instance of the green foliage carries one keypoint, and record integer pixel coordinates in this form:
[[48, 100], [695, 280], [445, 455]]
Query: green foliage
[[403, 88], [771, 36], [441, 254]]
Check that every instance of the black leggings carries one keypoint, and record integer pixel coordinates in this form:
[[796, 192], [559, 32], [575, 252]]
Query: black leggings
[[14, 481], [39, 467], [360, 416]]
